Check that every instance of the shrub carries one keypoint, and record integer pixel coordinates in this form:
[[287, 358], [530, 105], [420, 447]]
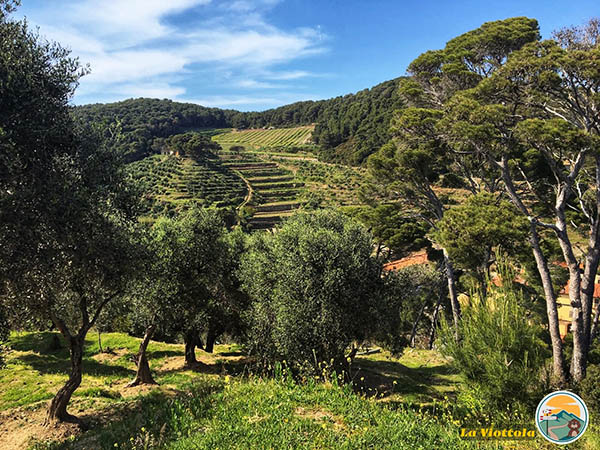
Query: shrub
[[451, 180], [314, 285], [410, 298], [499, 352], [590, 387]]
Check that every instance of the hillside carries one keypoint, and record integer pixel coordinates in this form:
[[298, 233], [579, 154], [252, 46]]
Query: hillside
[[217, 402], [271, 137], [171, 183], [347, 129]]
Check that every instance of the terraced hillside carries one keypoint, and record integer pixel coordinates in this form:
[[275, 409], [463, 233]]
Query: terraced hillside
[[171, 183], [327, 184], [274, 192], [277, 137]]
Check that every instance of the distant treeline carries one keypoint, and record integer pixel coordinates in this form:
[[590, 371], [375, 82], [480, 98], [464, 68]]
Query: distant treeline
[[348, 128]]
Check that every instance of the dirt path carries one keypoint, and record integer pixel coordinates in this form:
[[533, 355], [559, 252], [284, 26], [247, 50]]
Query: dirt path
[[250, 193]]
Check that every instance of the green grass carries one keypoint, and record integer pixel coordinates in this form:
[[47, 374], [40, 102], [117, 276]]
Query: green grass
[[393, 402], [35, 370], [257, 413]]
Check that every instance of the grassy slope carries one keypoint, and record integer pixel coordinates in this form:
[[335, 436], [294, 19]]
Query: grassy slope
[[398, 404]]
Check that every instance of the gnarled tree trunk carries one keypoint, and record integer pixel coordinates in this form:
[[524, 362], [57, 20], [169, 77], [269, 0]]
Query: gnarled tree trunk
[[211, 338], [551, 307], [143, 374], [191, 340], [558, 358], [57, 412]]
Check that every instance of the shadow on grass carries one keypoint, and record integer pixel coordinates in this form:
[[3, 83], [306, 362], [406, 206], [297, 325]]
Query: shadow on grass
[[158, 415], [163, 353], [384, 378], [233, 353], [47, 364], [50, 355], [40, 342]]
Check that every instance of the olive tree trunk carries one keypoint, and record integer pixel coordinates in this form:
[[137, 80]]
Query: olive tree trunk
[[143, 374], [191, 340], [211, 338], [57, 411]]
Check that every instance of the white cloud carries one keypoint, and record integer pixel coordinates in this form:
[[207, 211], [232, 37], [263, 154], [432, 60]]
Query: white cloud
[[230, 101], [248, 47], [256, 84], [131, 45], [290, 75], [130, 21], [247, 101]]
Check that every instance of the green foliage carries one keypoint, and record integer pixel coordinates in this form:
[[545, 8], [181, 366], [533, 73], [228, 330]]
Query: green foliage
[[410, 295], [394, 226], [143, 120], [468, 58], [171, 185], [313, 285], [188, 264], [352, 127], [192, 145], [469, 232], [451, 180], [590, 387], [499, 353]]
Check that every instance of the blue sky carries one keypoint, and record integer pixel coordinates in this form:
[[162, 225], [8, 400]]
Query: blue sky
[[259, 54]]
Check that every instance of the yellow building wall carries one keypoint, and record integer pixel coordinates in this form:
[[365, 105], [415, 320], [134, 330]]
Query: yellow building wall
[[565, 313]]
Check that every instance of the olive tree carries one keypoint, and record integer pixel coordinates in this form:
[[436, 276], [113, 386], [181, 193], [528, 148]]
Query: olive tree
[[314, 285], [67, 235], [183, 287]]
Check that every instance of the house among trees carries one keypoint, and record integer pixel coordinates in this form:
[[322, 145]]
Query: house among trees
[[170, 152], [565, 312]]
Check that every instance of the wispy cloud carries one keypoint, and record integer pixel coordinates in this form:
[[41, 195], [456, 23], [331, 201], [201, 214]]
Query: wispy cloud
[[233, 101], [148, 47]]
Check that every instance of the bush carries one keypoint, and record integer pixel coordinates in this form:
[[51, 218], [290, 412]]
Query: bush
[[409, 299], [499, 352], [314, 286], [590, 387], [451, 180]]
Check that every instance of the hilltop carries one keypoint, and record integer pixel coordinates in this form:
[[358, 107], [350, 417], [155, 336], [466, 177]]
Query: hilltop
[[347, 128]]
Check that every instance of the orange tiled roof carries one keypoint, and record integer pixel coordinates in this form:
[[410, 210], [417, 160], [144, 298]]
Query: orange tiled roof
[[415, 258], [565, 290]]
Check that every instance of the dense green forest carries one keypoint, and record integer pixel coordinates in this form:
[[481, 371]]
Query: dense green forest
[[348, 129], [158, 290]]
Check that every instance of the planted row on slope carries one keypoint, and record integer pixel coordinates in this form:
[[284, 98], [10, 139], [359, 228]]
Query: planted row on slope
[[172, 183]]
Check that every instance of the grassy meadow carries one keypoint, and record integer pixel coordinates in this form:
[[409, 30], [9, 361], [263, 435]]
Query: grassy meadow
[[392, 402]]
